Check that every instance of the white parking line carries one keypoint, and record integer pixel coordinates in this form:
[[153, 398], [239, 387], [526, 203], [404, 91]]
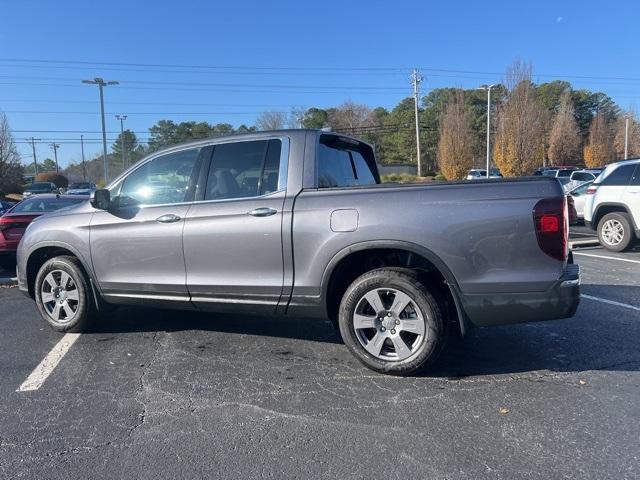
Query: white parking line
[[35, 380], [606, 257], [610, 302]]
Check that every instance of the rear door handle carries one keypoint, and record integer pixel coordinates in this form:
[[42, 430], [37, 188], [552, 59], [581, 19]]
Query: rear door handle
[[170, 218], [262, 212]]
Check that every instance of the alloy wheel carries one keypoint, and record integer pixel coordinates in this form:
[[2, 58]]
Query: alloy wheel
[[389, 324], [60, 297]]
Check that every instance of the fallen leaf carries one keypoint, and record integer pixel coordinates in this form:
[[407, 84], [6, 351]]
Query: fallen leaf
[[503, 410], [582, 382]]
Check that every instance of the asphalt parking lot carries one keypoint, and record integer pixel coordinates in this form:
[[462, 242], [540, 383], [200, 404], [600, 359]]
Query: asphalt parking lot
[[153, 394]]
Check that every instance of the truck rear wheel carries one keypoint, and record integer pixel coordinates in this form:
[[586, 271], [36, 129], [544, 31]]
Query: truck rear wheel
[[615, 232], [391, 322]]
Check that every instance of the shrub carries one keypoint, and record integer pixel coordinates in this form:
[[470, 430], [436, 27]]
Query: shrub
[[60, 180]]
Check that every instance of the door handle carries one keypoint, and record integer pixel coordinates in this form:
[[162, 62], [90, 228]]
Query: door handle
[[262, 212], [170, 218]]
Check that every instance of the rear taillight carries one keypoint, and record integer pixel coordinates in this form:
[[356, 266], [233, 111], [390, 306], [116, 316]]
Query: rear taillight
[[551, 219], [591, 190]]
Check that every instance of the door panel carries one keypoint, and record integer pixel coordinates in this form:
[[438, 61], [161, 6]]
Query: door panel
[[234, 259], [233, 236], [136, 246], [134, 255]]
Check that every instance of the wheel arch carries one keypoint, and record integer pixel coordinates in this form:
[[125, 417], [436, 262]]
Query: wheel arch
[[45, 251], [611, 207], [340, 259]]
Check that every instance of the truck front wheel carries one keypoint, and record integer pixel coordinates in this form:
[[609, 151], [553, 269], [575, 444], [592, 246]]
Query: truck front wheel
[[391, 322], [62, 295]]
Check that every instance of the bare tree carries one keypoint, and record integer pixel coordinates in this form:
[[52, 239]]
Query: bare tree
[[296, 117], [271, 120], [565, 141], [599, 148], [350, 116], [519, 143], [10, 167], [455, 147]]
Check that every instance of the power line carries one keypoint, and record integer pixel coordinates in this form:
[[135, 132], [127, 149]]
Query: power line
[[208, 84], [399, 69]]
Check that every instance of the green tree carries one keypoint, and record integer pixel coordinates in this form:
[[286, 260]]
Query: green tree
[[47, 165]]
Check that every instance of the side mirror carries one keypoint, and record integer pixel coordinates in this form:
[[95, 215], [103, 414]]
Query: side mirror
[[101, 199]]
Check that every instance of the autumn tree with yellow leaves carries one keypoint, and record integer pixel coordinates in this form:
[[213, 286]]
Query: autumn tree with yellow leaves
[[519, 143], [599, 148], [565, 143], [455, 146]]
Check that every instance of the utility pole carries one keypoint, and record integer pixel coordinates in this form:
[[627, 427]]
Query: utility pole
[[54, 147], [416, 78], [35, 160], [84, 167], [626, 137], [122, 118], [101, 84], [488, 89]]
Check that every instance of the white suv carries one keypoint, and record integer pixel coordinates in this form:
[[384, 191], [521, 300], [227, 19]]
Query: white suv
[[612, 207]]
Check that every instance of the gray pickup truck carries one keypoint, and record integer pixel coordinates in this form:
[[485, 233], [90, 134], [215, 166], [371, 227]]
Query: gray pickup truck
[[297, 223]]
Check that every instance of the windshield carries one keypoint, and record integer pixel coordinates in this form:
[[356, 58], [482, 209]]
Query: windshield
[[79, 186], [43, 205]]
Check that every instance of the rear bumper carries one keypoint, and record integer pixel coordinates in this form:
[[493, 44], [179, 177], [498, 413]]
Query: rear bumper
[[559, 301]]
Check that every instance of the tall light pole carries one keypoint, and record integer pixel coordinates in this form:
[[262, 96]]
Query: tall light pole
[[101, 84], [35, 160], [84, 166], [122, 118], [626, 137], [416, 78], [488, 89], [55, 147]]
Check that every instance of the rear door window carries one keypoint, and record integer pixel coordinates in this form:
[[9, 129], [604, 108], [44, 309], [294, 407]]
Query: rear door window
[[244, 169], [621, 176]]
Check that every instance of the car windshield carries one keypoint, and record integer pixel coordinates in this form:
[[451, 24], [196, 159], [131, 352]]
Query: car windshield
[[43, 205], [565, 173], [79, 186], [39, 187]]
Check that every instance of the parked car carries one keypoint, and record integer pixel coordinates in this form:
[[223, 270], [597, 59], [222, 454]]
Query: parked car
[[40, 188], [297, 223], [5, 205], [578, 195], [612, 205], [14, 222], [81, 188], [478, 174], [578, 177]]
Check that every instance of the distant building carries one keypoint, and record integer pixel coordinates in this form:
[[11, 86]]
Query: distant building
[[399, 168]]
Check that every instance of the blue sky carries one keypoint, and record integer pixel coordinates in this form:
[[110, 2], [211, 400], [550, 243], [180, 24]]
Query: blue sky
[[309, 54]]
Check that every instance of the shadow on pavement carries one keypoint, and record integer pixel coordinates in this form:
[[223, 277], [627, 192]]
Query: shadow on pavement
[[599, 337]]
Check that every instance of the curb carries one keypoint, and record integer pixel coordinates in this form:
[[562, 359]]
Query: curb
[[8, 282], [584, 243]]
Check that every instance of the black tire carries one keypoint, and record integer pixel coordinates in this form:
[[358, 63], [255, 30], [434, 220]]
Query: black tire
[[424, 350], [84, 306], [621, 220]]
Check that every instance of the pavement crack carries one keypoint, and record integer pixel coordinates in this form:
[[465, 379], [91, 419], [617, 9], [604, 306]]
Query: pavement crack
[[140, 390]]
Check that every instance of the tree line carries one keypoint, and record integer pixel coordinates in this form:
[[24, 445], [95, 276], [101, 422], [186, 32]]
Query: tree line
[[532, 125]]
